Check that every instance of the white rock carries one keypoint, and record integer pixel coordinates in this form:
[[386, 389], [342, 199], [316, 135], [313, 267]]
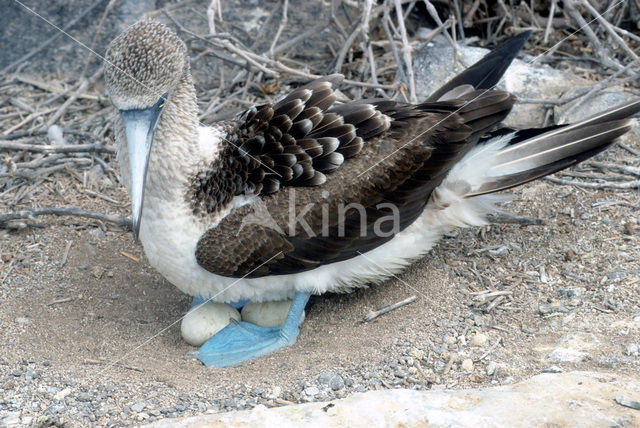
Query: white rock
[[267, 314], [567, 355], [632, 350], [60, 395], [574, 347], [433, 64], [205, 320], [564, 399], [55, 135], [467, 365], [478, 340], [10, 419]]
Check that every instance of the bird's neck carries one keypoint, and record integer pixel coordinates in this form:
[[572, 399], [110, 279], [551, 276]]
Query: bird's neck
[[175, 145]]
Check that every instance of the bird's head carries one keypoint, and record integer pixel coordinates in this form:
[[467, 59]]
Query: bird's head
[[142, 66]]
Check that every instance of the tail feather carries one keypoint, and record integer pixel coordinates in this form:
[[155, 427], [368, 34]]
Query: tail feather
[[502, 161], [484, 74]]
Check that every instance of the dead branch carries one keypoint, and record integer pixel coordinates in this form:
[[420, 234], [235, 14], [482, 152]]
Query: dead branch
[[70, 211]]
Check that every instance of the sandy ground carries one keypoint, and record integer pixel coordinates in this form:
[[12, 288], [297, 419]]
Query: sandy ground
[[575, 275]]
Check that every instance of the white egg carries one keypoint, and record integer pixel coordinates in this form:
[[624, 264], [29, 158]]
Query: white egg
[[205, 320], [267, 314]]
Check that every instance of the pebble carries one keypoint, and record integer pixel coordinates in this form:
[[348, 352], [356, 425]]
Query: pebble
[[98, 233], [22, 320], [632, 350], [311, 391], [567, 355], [60, 395], [552, 369], [84, 396], [138, 407], [416, 353], [491, 368], [479, 339], [467, 365], [336, 383], [275, 392], [628, 402], [326, 377], [55, 134]]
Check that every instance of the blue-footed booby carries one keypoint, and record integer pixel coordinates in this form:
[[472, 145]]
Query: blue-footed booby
[[338, 195]]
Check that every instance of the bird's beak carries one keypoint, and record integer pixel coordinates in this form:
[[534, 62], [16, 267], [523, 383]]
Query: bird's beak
[[139, 126]]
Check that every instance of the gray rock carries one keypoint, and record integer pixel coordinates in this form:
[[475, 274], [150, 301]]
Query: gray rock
[[311, 391], [433, 64], [98, 233], [138, 407], [84, 396], [326, 377], [632, 350], [336, 383]]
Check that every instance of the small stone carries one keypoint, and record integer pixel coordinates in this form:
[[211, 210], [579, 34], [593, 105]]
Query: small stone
[[467, 365], [138, 407], [449, 340], [567, 355], [632, 350], [98, 233], [97, 272], [491, 368], [275, 392], [326, 377], [544, 309], [33, 374], [336, 383], [629, 228], [552, 369], [416, 353], [84, 396], [22, 320], [60, 395], [498, 251], [479, 339], [55, 134], [628, 402], [311, 391]]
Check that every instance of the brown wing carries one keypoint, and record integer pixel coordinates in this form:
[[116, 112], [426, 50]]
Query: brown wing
[[366, 153], [398, 160]]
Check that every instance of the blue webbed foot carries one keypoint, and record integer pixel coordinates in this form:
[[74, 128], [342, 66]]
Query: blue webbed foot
[[241, 341], [239, 304], [197, 301]]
